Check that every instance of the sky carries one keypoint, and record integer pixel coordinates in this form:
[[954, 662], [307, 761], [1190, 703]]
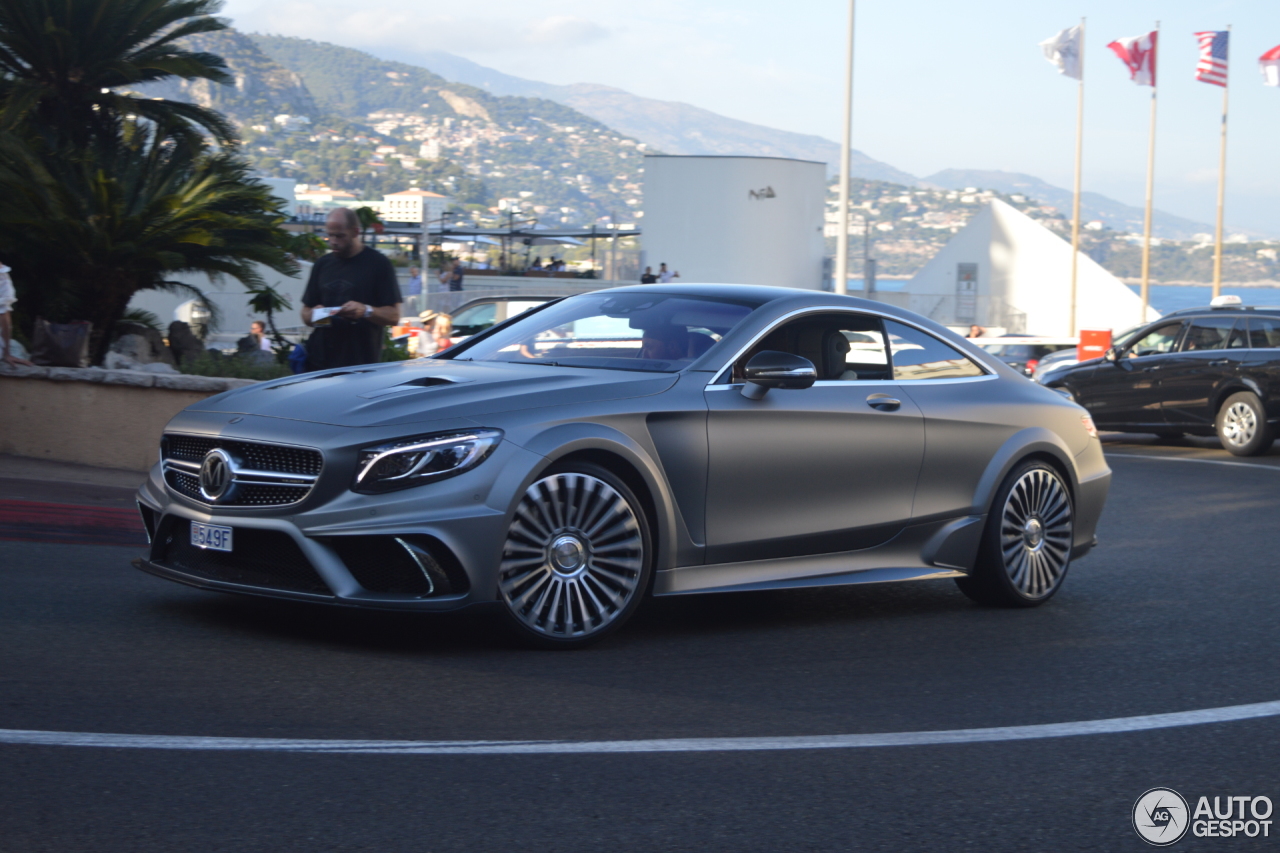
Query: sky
[[938, 84]]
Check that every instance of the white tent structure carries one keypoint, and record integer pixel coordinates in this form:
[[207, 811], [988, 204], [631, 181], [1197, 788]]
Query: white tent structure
[[1005, 270]]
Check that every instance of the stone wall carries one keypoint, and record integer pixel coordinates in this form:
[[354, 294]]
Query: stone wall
[[91, 416]]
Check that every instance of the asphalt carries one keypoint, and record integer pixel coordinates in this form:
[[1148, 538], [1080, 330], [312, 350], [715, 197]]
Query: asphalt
[[1174, 611]]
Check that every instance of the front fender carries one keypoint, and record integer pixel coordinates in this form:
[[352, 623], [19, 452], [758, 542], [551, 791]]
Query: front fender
[[563, 440]]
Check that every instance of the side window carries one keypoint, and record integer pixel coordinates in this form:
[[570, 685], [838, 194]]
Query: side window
[[1264, 332], [844, 347], [1159, 340], [919, 355], [1208, 333]]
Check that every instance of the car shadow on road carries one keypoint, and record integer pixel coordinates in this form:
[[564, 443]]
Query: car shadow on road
[[661, 620]]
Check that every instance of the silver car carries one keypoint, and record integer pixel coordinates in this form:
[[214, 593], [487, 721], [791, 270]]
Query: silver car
[[663, 440]]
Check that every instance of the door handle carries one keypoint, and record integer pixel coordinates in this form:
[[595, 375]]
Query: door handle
[[883, 402], [1221, 362]]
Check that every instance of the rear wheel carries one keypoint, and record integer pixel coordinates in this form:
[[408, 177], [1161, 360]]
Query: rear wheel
[[1026, 546], [1242, 425], [577, 558]]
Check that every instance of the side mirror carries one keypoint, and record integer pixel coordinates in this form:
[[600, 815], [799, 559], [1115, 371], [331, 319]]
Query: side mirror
[[771, 369], [1111, 355]]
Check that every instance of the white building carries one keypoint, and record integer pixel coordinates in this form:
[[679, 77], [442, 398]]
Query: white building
[[746, 220], [288, 122], [1005, 270], [414, 206]]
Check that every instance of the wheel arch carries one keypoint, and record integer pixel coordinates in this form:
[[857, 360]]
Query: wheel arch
[[1234, 386], [625, 458], [1033, 443]]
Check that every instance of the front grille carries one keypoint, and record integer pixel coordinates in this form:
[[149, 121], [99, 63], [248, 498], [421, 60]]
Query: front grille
[[263, 558], [417, 566], [265, 474]]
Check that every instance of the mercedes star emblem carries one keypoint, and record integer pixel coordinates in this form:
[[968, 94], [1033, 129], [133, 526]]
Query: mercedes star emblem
[[215, 475]]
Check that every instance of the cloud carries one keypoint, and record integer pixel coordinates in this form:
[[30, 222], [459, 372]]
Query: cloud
[[564, 31]]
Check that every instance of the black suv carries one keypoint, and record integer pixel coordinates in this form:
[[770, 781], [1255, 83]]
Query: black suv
[[1197, 371]]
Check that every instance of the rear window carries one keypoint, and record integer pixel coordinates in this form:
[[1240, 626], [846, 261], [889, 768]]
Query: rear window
[[1210, 333], [1264, 332]]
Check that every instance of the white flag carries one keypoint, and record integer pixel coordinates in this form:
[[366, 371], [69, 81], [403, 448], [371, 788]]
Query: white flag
[[1063, 50]]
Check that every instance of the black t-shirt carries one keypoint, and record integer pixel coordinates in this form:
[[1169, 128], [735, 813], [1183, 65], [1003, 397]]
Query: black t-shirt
[[367, 277]]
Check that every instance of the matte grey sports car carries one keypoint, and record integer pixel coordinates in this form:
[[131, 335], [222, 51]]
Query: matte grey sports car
[[663, 440]]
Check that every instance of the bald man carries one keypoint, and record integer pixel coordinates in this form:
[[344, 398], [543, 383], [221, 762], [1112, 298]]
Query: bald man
[[361, 283]]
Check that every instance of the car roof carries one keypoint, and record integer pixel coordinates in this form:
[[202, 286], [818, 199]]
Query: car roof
[[1225, 309]]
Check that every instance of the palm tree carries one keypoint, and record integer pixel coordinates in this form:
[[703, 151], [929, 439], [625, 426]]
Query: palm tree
[[85, 230], [67, 66]]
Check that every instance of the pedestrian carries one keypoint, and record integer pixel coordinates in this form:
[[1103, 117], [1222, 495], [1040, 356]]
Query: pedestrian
[[7, 297], [351, 296], [258, 331], [648, 277], [427, 344], [413, 292], [451, 275], [444, 332], [976, 331], [665, 275]]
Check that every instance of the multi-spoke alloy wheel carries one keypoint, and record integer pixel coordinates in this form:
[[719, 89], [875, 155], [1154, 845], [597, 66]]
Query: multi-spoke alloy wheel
[[575, 562], [1242, 425], [1027, 545]]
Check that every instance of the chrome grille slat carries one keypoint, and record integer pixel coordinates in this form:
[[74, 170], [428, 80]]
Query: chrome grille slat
[[273, 475]]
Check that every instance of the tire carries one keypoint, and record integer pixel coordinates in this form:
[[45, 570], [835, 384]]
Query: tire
[[1026, 546], [577, 559], [1242, 425]]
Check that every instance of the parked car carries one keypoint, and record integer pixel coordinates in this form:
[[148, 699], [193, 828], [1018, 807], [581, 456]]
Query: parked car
[[1070, 356], [632, 442], [1023, 352], [1197, 371], [476, 315]]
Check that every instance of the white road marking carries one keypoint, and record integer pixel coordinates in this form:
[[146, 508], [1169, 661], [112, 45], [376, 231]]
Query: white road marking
[[727, 744], [1188, 459]]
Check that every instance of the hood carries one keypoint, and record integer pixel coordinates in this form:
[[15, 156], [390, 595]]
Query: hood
[[427, 390]]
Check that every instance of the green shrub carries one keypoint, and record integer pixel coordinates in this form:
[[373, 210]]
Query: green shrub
[[238, 366]]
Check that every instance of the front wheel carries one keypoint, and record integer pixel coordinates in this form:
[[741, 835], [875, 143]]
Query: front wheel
[[577, 558], [1242, 425], [1026, 546]]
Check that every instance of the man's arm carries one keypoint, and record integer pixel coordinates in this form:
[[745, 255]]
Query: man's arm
[[383, 315]]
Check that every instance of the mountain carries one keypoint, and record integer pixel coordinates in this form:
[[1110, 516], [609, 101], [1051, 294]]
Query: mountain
[[262, 86], [669, 126], [1093, 206]]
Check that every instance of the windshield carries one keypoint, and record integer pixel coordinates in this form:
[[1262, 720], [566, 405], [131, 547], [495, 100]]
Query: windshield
[[621, 331]]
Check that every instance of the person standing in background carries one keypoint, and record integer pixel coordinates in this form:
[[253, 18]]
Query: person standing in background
[[648, 277], [665, 275], [451, 275], [361, 284], [413, 292], [7, 297]]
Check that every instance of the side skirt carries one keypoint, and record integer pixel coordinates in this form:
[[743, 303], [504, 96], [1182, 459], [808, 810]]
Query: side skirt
[[938, 549]]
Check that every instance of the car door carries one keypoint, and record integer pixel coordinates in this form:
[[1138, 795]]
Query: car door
[[1211, 352], [1125, 393], [1260, 367], [826, 469]]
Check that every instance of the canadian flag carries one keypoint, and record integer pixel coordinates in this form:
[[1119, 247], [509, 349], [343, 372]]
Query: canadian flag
[[1270, 64], [1139, 54]]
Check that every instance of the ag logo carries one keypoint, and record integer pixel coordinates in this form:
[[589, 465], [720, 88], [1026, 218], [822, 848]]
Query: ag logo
[[1160, 817], [215, 475]]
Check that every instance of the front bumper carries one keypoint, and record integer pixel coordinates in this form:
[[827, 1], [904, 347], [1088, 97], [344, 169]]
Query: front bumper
[[349, 549]]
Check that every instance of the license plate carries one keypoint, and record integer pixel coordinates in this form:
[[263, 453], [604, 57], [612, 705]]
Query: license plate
[[210, 536]]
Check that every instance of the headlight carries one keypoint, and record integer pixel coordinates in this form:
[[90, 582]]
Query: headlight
[[414, 461]]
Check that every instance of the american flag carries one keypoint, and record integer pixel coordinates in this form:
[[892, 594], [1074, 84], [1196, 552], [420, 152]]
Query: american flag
[[1212, 67]]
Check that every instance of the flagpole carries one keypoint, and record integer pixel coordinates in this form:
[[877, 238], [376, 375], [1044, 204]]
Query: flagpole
[[1151, 175], [841, 284], [1222, 178], [1075, 204]]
